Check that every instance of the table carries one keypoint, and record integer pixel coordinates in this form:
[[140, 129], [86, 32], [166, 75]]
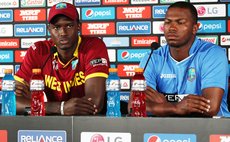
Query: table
[[110, 128]]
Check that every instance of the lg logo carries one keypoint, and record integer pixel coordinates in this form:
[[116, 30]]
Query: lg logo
[[105, 137], [100, 138]]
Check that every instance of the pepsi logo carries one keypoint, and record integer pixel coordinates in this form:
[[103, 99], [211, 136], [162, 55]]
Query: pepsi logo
[[200, 25], [97, 138], [154, 139], [89, 13], [125, 55], [223, 39]]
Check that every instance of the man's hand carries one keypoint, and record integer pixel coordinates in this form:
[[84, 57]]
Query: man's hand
[[154, 96], [80, 106], [207, 104], [193, 104], [22, 89], [23, 96]]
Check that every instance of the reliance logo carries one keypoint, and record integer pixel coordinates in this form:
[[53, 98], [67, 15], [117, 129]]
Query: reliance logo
[[128, 28], [6, 15], [30, 30], [41, 136]]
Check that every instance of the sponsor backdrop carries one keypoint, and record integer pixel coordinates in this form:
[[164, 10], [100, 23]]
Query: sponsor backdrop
[[128, 27]]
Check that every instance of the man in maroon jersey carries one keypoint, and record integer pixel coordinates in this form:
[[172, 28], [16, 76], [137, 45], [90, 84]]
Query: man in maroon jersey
[[74, 67]]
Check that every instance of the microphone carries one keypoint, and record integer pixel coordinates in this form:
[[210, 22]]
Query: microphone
[[154, 46], [53, 49]]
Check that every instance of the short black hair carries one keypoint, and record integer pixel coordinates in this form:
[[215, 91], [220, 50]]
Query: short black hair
[[186, 5]]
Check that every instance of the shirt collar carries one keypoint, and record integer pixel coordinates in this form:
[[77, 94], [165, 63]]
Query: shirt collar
[[194, 46], [75, 54]]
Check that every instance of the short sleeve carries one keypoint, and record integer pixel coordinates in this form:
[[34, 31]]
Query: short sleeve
[[96, 59], [214, 71]]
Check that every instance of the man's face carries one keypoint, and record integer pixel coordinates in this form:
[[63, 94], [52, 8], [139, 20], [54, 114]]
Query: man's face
[[64, 32], [179, 27]]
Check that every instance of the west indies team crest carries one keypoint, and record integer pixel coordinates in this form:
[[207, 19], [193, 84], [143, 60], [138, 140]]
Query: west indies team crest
[[74, 64], [61, 6], [191, 74]]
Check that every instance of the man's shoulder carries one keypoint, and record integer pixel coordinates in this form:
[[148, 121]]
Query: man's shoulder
[[209, 51], [42, 47], [209, 46], [92, 43]]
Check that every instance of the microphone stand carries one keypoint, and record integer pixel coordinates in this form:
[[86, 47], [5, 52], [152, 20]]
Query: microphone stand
[[154, 46]]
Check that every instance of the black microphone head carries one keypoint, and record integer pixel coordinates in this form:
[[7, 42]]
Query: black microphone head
[[154, 45], [53, 49]]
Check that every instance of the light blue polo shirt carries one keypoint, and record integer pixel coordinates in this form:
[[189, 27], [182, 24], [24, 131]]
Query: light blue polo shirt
[[206, 66]]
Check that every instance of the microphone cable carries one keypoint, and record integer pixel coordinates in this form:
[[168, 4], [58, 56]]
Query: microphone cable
[[154, 46]]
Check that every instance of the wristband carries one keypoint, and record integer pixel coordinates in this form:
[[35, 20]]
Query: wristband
[[62, 108], [27, 111]]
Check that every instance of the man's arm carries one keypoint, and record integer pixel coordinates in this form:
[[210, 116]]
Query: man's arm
[[87, 105], [23, 98], [90, 104], [190, 105], [157, 104], [152, 96], [95, 89], [215, 95], [22, 91]]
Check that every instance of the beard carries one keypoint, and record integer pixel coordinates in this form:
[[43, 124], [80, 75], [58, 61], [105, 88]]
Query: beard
[[174, 44]]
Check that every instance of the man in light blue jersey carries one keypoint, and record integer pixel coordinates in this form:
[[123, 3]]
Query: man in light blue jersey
[[188, 76]]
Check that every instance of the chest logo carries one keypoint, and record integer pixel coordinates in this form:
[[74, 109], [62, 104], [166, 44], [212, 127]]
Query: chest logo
[[74, 64], [191, 74]]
